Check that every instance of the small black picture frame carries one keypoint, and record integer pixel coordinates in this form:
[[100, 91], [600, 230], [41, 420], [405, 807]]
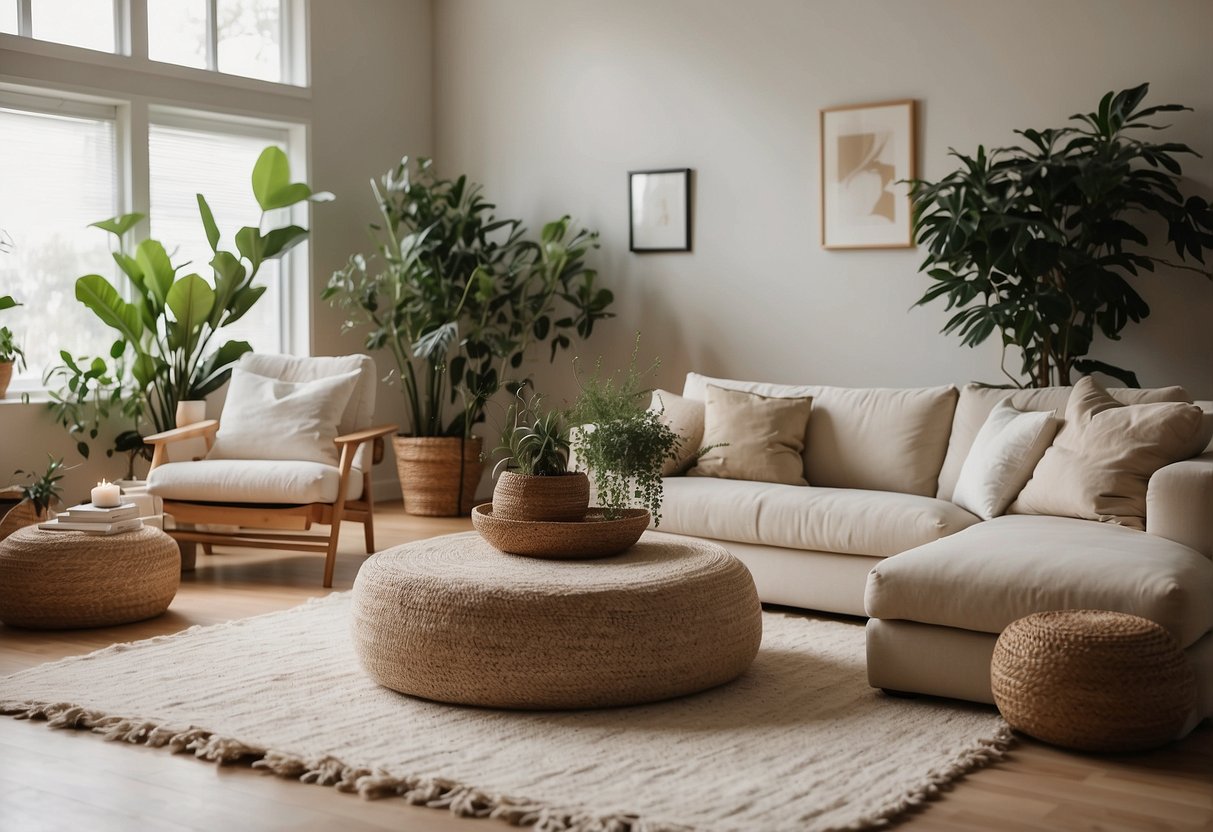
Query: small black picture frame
[[659, 210]]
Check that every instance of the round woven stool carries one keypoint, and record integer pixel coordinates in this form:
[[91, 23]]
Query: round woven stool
[[1092, 680], [454, 620], [66, 580]]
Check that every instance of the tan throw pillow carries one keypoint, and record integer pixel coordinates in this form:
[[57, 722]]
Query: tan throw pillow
[[1101, 461], [685, 418], [759, 438]]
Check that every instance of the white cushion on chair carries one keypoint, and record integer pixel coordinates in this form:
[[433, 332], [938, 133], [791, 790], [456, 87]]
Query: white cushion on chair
[[251, 481]]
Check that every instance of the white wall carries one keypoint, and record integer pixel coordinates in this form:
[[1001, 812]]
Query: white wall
[[551, 103], [369, 103]]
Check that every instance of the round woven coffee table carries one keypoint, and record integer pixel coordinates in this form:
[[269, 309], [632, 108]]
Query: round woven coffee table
[[1092, 680], [66, 580], [454, 620]]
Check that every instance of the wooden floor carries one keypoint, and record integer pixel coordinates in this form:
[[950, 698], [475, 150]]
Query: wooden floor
[[59, 780]]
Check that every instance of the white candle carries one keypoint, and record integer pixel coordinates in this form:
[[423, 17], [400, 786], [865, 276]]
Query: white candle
[[107, 495]]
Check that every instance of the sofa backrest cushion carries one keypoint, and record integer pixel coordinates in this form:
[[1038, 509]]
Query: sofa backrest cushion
[[879, 439], [977, 401]]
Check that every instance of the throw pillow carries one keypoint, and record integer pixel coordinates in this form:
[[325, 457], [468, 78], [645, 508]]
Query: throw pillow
[[1002, 458], [685, 418], [1099, 466], [755, 437], [266, 418]]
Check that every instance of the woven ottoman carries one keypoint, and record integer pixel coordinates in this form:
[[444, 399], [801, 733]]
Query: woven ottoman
[[454, 620], [1092, 680], [67, 580]]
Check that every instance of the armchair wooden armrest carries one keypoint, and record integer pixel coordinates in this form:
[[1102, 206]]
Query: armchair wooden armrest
[[203, 428], [351, 441]]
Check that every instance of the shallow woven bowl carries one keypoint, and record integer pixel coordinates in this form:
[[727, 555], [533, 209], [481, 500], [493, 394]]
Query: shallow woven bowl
[[594, 537]]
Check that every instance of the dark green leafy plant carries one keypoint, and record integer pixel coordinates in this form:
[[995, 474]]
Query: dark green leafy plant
[[627, 444], [459, 297], [535, 442], [10, 350], [44, 490], [1036, 242], [163, 354]]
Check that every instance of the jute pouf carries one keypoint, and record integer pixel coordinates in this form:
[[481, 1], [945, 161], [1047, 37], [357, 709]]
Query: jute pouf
[[65, 580], [454, 620], [1092, 680]]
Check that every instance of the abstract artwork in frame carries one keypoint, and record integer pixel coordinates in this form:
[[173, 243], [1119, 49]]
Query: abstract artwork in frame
[[659, 210], [867, 153]]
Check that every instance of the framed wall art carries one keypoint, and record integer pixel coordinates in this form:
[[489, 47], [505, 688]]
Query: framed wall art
[[659, 210], [867, 153]]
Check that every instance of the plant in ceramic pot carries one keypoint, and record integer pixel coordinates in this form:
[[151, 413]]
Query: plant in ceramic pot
[[533, 480], [1038, 242], [621, 441], [459, 298], [11, 353], [42, 492], [167, 323]]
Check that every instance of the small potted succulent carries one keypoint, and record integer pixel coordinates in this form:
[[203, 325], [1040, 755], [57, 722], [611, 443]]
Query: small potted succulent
[[10, 351], [533, 480], [42, 492], [622, 442]]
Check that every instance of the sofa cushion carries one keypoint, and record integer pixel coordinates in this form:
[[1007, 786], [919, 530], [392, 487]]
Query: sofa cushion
[[1002, 459], [843, 520], [685, 418], [1003, 569], [753, 437], [1102, 459], [250, 481], [976, 402], [880, 439]]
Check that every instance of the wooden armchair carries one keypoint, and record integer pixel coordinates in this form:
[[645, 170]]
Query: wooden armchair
[[274, 502]]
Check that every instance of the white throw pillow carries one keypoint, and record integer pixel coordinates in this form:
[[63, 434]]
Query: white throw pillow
[[265, 418], [1002, 459]]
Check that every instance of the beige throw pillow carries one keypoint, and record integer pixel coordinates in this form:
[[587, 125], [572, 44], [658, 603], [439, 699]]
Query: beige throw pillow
[[685, 418], [759, 438], [1101, 461]]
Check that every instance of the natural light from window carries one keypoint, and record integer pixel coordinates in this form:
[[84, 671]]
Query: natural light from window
[[85, 23], [177, 153], [250, 38], [177, 32], [8, 16], [58, 174]]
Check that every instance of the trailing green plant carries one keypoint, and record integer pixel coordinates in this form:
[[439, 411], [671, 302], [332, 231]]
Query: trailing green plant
[[44, 489], [1036, 242], [164, 351], [627, 445], [10, 350], [535, 441], [459, 297]]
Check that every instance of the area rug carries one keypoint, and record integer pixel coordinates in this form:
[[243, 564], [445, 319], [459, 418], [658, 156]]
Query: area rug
[[800, 742]]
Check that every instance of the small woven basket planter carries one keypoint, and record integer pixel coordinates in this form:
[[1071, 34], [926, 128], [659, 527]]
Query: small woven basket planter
[[19, 516], [1092, 680], [562, 499]]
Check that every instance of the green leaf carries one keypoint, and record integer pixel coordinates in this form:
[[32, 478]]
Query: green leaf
[[95, 292], [191, 300], [144, 370], [242, 302], [251, 245], [271, 174], [118, 225], [208, 223], [281, 240], [157, 269], [287, 195]]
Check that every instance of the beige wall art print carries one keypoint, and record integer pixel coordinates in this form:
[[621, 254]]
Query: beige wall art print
[[659, 210], [867, 153]]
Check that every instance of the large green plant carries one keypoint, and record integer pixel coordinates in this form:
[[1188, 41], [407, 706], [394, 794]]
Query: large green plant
[[458, 297], [163, 353], [1036, 242]]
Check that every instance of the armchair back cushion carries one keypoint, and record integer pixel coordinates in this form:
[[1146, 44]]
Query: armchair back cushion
[[880, 439], [359, 412]]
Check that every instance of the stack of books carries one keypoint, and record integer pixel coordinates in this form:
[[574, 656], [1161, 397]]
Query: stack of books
[[87, 517]]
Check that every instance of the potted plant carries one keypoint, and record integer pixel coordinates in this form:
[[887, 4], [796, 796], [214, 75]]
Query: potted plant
[[459, 298], [621, 441], [1036, 242], [533, 480], [42, 492], [10, 351], [164, 351]]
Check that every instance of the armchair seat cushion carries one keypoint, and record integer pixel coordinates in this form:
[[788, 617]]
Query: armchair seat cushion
[[251, 481]]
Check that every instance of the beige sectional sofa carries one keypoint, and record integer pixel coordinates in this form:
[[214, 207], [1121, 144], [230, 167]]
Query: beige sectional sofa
[[876, 534]]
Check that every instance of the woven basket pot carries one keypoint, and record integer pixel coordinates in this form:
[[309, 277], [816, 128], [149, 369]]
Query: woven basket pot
[[6, 376], [561, 499], [432, 479], [19, 516], [1092, 680]]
